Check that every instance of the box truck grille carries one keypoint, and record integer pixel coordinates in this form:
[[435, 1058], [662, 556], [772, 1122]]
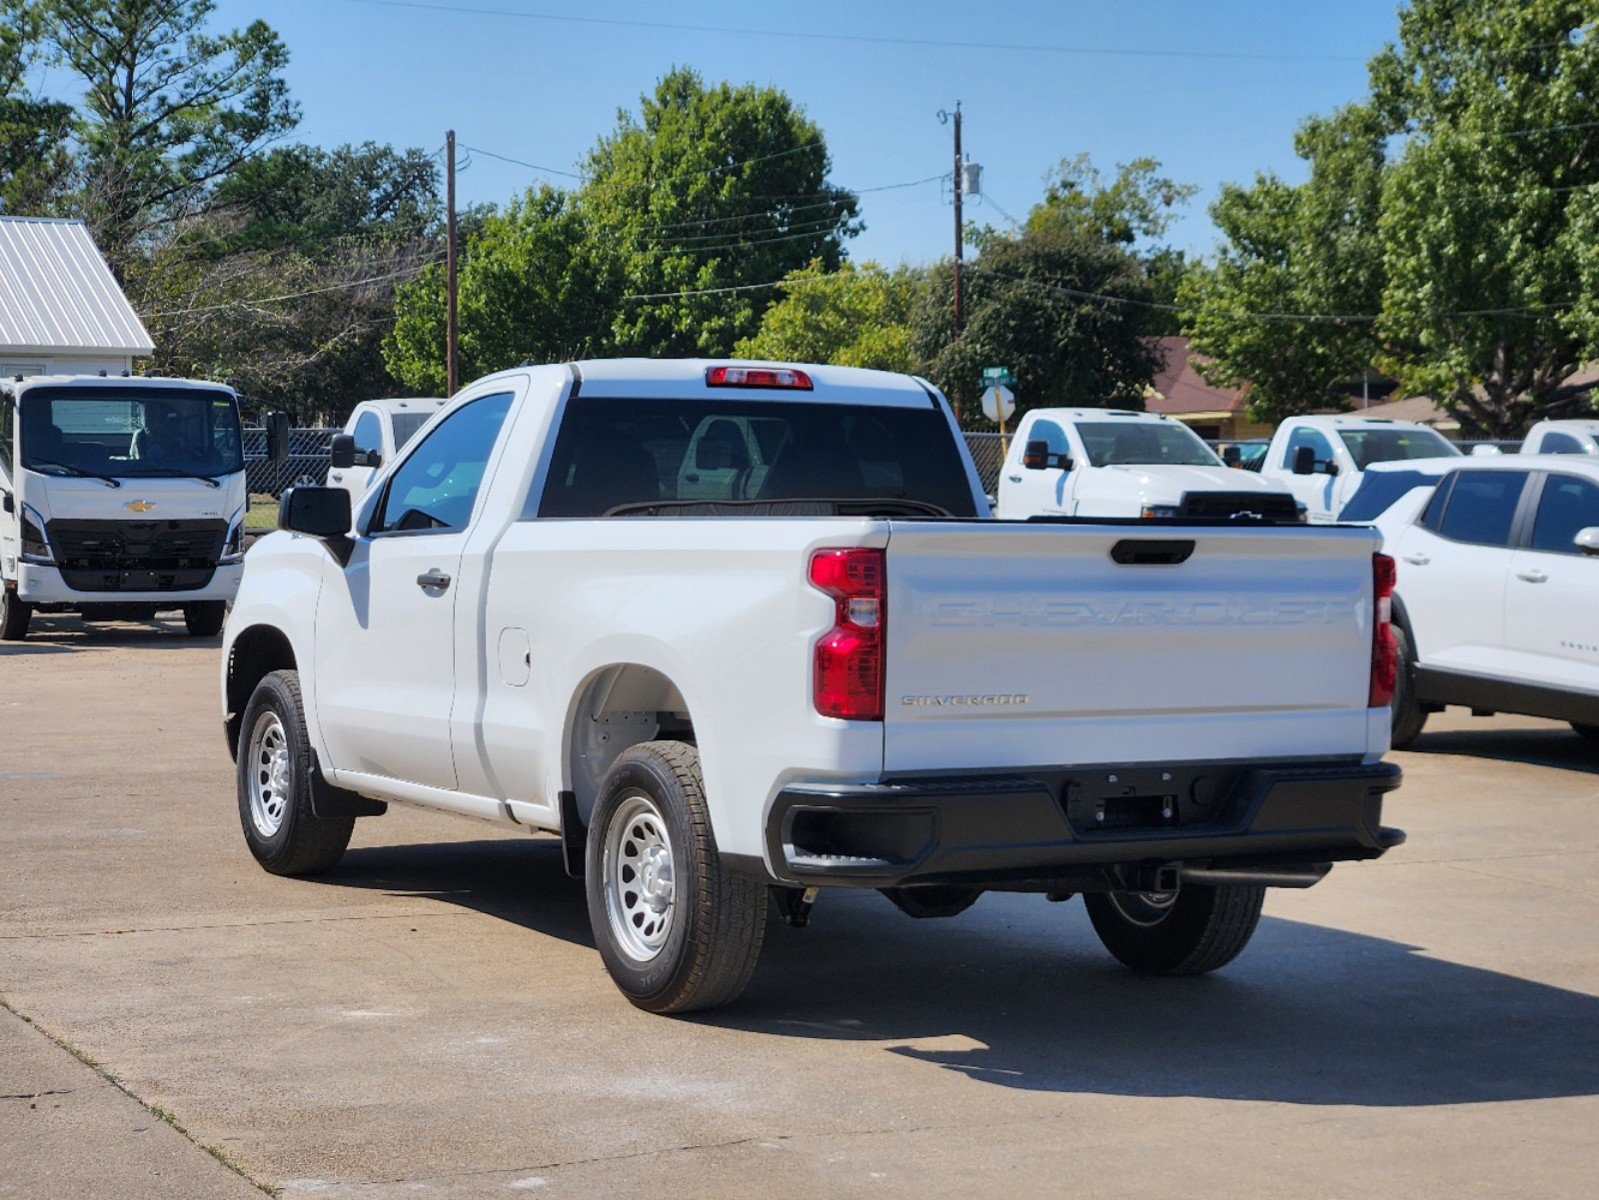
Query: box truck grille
[[136, 556]]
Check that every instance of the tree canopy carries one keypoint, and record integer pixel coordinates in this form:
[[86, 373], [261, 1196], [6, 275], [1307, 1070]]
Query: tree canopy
[[854, 317]]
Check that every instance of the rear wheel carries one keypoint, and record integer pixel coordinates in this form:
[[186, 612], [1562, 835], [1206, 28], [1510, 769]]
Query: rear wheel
[[1409, 717], [678, 931], [14, 616], [204, 618], [275, 781], [1190, 931]]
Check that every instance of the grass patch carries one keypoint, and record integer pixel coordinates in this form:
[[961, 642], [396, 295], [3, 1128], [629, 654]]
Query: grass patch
[[262, 514]]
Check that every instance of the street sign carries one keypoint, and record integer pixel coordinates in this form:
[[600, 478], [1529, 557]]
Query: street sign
[[993, 398], [997, 377]]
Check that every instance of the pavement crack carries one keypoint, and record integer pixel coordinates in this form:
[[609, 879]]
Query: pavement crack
[[428, 914], [1554, 887], [37, 1095]]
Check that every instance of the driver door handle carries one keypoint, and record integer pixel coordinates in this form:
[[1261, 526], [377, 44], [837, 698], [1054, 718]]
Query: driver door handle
[[1533, 576], [1014, 478], [431, 580], [1417, 560]]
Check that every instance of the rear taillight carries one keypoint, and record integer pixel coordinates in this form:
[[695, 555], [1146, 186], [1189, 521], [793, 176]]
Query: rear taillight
[[848, 678], [1384, 655], [758, 377]]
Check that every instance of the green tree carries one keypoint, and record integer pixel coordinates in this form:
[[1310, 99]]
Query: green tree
[[1138, 204], [529, 288], [1034, 304], [708, 187], [34, 163], [168, 109], [1298, 252], [1486, 217], [852, 317]]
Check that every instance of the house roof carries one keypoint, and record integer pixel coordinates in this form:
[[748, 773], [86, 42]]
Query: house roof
[[1422, 409], [57, 296], [1179, 390]]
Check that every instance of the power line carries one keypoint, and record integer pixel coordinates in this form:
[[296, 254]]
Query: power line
[[870, 39], [520, 163], [253, 301]]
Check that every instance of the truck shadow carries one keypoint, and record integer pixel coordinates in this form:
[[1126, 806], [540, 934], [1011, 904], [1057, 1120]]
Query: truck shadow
[[1017, 993], [1542, 746], [59, 634]]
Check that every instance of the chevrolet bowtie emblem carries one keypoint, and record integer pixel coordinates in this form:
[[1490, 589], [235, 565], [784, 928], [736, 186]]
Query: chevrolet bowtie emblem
[[138, 506]]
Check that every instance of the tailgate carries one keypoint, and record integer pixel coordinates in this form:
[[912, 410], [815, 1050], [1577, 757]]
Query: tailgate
[[1030, 645]]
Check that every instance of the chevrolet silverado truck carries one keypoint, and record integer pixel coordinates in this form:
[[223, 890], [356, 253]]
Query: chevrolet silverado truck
[[825, 666]]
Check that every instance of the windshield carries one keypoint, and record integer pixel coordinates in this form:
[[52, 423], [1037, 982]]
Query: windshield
[[617, 452], [1144, 443], [406, 424], [112, 431], [1369, 446]]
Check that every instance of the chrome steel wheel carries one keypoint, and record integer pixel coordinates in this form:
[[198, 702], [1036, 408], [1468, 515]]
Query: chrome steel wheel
[[639, 878], [1145, 909], [271, 774]]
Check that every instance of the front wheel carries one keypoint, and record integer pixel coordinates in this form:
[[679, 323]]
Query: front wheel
[[275, 780], [204, 618], [678, 930], [1190, 931], [14, 616]]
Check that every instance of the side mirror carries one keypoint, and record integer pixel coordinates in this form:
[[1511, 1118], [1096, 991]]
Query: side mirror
[[1035, 455], [7, 503], [1231, 456], [277, 437], [1587, 540], [1305, 460], [320, 512], [342, 451], [369, 458]]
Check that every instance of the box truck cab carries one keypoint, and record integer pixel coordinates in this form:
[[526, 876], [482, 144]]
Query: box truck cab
[[119, 497]]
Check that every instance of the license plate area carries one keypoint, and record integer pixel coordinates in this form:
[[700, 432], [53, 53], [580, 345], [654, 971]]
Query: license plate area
[[1143, 799]]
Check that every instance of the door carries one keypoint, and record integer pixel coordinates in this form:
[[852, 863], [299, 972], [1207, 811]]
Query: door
[[1028, 493], [1453, 563], [1318, 492], [1552, 594], [385, 645]]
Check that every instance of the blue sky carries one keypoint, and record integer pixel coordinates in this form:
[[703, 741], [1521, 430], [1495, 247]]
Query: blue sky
[[544, 90]]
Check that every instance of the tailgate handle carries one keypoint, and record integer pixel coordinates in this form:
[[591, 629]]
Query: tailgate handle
[[1152, 552]]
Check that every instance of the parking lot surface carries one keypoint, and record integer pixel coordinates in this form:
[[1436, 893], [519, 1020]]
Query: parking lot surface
[[431, 1020]]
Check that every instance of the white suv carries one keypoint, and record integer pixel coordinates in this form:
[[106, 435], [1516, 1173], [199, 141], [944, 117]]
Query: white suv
[[1497, 602]]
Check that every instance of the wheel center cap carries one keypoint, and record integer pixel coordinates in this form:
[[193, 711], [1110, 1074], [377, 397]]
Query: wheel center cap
[[280, 771], [655, 877]]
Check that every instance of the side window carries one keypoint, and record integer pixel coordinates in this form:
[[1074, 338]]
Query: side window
[[1482, 507], [369, 432], [1567, 507], [8, 418], [436, 486], [1305, 436], [1049, 431], [1560, 443], [1433, 516]]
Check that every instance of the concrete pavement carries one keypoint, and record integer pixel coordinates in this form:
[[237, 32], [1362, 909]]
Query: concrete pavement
[[431, 1020]]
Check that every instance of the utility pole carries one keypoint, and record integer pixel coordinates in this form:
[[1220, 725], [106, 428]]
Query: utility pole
[[960, 246], [452, 367]]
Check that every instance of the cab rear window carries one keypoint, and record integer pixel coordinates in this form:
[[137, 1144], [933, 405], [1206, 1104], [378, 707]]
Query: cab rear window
[[614, 453]]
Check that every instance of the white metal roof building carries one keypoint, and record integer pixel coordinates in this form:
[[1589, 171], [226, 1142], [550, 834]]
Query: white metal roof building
[[61, 311]]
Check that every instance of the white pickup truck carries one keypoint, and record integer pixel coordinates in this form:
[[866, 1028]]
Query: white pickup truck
[[1575, 435], [1099, 462], [119, 497], [376, 431], [1321, 459], [833, 671]]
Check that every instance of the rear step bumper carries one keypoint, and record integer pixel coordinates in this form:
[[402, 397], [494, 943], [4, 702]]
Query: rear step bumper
[[1074, 825]]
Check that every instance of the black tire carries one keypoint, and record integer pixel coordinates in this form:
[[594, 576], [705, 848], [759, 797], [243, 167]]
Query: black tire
[[1200, 929], [204, 618], [714, 920], [14, 616], [300, 843], [1409, 716], [930, 902], [1591, 732]]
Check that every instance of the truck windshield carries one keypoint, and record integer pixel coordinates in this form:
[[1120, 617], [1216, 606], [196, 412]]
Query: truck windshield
[[615, 452], [133, 431], [1367, 446], [406, 424], [1144, 444]]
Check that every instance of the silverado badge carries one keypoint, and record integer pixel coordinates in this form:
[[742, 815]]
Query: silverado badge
[[138, 506]]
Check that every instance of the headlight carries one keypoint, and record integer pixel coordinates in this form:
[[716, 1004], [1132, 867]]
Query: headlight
[[233, 548], [35, 546], [1158, 510]]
